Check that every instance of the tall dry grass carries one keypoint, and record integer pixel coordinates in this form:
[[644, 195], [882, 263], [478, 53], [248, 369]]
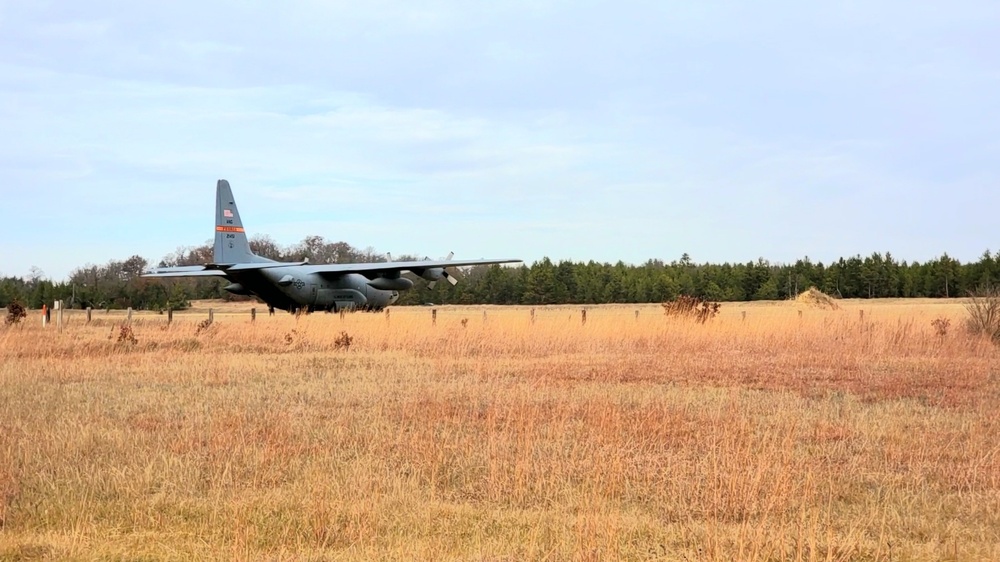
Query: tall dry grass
[[787, 434]]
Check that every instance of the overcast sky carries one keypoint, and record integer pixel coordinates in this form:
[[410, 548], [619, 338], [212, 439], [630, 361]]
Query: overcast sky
[[575, 130]]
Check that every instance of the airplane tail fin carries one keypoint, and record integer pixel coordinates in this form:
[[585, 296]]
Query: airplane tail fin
[[231, 244]]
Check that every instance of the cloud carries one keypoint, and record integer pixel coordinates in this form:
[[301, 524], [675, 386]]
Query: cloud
[[723, 129]]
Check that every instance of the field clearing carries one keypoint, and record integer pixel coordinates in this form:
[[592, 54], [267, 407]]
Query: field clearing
[[775, 431]]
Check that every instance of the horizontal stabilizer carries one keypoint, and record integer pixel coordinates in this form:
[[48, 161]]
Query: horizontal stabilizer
[[213, 269]]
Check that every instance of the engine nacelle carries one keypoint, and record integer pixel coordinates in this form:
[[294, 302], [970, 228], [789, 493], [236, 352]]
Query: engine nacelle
[[237, 289], [433, 274], [391, 283]]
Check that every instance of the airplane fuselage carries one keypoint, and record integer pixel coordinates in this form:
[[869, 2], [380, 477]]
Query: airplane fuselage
[[294, 287]]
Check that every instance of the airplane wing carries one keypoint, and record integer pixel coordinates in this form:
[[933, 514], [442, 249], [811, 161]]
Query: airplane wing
[[332, 269], [184, 271], [335, 269]]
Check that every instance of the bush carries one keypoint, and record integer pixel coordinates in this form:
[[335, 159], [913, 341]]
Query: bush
[[126, 335], [343, 341], [15, 313], [204, 325], [984, 312], [691, 307], [941, 325]]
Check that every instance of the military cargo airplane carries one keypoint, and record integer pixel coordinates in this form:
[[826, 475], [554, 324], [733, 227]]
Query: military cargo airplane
[[295, 286]]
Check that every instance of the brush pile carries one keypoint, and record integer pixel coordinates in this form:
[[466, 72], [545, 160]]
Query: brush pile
[[815, 298]]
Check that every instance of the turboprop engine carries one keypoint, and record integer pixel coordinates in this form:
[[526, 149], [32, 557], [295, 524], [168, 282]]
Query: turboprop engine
[[436, 274]]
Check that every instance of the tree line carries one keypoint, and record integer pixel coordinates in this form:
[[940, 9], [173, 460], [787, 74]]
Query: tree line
[[118, 284]]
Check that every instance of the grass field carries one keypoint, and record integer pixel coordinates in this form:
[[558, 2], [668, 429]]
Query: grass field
[[773, 432]]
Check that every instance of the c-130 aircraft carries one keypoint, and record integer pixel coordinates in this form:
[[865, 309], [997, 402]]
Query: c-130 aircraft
[[295, 286]]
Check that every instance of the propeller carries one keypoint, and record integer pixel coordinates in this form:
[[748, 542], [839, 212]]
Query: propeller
[[442, 272]]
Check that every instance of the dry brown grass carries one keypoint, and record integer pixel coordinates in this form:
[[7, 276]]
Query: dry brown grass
[[860, 434]]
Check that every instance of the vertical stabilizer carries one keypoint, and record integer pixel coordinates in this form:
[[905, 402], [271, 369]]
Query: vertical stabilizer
[[231, 245]]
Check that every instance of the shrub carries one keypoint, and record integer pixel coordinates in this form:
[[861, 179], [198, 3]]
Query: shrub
[[691, 307], [15, 313], [126, 335], [343, 341], [984, 312], [941, 326], [203, 326]]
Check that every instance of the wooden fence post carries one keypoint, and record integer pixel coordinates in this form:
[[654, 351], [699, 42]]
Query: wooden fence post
[[211, 316], [532, 315], [129, 318], [170, 315], [583, 316], [89, 311], [253, 315], [434, 317]]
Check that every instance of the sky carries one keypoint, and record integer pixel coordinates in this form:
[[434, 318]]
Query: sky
[[606, 131]]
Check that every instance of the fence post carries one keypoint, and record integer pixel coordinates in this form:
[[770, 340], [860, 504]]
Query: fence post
[[89, 311], [130, 315], [253, 315], [583, 316], [211, 316], [59, 316], [636, 314], [434, 317], [532, 315], [170, 315]]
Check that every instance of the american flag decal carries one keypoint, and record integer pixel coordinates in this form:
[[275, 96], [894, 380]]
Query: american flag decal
[[227, 213]]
